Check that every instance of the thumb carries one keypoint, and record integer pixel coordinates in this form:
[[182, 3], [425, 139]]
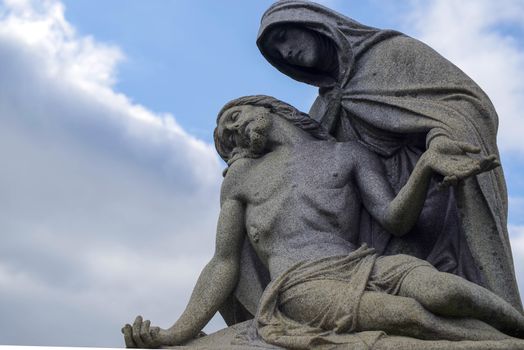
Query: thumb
[[468, 147]]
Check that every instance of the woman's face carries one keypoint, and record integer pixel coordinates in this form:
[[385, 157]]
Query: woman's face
[[298, 46]]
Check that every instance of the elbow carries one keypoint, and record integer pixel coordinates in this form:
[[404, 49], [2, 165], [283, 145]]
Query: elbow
[[400, 230], [396, 226], [228, 269], [397, 230]]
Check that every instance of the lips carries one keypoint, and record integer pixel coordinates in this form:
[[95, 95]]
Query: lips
[[298, 55], [294, 57]]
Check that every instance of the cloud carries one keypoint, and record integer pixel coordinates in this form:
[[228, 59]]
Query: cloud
[[99, 194], [483, 38], [517, 244], [108, 209]]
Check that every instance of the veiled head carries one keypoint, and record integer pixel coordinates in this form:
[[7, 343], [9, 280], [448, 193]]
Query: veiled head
[[299, 46]]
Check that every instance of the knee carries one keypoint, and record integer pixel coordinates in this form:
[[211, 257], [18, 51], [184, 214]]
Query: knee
[[410, 314], [407, 317], [446, 293]]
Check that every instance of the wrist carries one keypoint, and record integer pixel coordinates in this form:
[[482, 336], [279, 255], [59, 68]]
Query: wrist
[[171, 336], [425, 163], [433, 139]]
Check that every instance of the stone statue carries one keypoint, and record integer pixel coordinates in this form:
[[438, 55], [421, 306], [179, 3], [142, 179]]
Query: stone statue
[[378, 220], [398, 98], [293, 194]]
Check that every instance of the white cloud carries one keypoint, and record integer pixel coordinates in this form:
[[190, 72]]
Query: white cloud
[[108, 209], [99, 195], [517, 245], [474, 35]]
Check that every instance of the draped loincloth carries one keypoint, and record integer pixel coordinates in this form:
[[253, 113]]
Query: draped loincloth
[[315, 304]]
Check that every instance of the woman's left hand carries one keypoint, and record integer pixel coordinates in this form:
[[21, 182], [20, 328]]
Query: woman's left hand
[[450, 159]]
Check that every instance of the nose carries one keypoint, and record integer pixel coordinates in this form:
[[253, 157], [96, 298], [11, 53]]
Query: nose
[[236, 125], [284, 50]]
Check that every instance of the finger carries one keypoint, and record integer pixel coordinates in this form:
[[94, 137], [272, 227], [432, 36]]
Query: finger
[[492, 157], [144, 333], [161, 337], [468, 147], [495, 162], [154, 331], [489, 163], [444, 184], [485, 164], [463, 175], [137, 325], [450, 180], [128, 336], [491, 166], [441, 186]]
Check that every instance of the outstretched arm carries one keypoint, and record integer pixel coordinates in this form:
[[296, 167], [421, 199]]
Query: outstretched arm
[[215, 284], [398, 214]]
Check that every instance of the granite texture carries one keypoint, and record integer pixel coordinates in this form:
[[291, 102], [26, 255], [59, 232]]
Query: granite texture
[[397, 96], [222, 340], [375, 221], [293, 193]]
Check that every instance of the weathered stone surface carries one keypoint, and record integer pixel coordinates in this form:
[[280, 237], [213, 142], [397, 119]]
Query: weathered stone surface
[[398, 96], [222, 340], [374, 222], [292, 193]]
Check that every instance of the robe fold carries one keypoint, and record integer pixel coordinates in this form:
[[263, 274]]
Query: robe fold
[[394, 94]]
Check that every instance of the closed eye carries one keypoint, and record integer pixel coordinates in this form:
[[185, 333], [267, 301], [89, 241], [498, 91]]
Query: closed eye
[[280, 35], [233, 116]]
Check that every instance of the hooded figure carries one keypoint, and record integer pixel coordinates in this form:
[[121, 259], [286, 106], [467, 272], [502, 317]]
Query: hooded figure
[[396, 96]]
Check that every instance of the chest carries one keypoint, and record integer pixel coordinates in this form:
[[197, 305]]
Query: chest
[[290, 173]]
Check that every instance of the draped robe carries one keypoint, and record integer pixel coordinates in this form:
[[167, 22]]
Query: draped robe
[[394, 94]]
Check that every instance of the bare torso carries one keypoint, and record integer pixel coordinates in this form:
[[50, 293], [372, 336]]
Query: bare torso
[[291, 216]]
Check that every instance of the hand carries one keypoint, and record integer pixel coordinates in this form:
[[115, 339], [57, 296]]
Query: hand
[[142, 335], [444, 145], [450, 159]]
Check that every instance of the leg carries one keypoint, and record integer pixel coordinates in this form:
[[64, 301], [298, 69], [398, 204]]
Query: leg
[[406, 317], [449, 295]]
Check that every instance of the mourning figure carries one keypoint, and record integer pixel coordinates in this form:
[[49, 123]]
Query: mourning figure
[[294, 193], [398, 98], [376, 221]]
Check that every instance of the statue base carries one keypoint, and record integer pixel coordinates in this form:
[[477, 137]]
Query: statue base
[[224, 340]]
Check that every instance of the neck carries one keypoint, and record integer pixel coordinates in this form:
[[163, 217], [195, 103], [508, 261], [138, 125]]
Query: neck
[[284, 134]]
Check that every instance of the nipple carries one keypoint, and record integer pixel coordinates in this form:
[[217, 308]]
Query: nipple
[[255, 234]]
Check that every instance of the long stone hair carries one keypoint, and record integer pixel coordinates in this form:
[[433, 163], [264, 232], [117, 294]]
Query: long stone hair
[[275, 106]]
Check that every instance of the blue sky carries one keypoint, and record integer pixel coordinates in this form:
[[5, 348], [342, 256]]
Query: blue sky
[[204, 48], [109, 183]]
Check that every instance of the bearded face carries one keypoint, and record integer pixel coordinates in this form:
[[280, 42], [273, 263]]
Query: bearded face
[[256, 133], [243, 132]]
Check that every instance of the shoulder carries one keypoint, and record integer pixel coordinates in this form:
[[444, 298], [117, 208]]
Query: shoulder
[[354, 151], [357, 157], [235, 176]]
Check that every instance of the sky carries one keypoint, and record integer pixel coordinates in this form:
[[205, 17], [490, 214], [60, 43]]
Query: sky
[[109, 180]]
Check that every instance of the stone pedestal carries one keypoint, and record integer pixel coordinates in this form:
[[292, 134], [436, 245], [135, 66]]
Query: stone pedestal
[[222, 340]]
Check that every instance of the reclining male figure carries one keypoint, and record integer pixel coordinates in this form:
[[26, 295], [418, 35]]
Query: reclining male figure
[[295, 194]]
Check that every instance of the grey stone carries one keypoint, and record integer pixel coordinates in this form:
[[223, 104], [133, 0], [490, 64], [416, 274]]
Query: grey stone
[[292, 193], [397, 96], [222, 341], [376, 221]]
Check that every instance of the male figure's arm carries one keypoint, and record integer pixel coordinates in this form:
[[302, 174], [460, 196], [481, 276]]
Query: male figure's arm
[[216, 282], [398, 214]]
